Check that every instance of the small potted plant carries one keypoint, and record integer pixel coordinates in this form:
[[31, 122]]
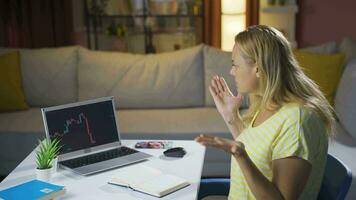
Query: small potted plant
[[46, 158], [118, 32]]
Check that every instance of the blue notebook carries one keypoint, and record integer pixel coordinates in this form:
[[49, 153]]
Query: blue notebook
[[34, 189]]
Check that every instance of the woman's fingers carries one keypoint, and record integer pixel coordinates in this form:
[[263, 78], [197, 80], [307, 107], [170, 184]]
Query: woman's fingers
[[207, 140], [218, 83], [214, 86], [227, 145], [217, 99], [212, 91], [224, 84]]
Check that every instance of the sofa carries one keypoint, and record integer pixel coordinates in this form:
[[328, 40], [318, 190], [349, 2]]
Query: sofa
[[162, 96]]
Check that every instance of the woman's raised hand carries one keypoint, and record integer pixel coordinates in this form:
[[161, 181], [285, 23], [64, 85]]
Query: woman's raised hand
[[226, 103]]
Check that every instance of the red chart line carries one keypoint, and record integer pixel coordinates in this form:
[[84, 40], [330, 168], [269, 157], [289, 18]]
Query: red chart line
[[68, 123]]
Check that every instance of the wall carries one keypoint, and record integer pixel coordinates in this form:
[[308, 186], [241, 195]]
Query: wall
[[320, 21]]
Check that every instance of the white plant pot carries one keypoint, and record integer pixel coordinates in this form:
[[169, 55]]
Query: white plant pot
[[54, 165], [44, 174]]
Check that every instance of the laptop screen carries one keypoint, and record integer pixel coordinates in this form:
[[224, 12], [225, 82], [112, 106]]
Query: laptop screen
[[83, 126]]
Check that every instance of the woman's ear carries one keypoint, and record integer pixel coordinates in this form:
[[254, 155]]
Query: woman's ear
[[258, 71]]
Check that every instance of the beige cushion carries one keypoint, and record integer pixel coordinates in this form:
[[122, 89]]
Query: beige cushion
[[218, 62], [348, 47], [133, 121], [172, 121], [165, 80], [326, 48], [49, 75], [345, 99]]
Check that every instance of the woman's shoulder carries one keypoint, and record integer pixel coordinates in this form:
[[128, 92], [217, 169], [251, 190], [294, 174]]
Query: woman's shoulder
[[298, 113], [291, 110]]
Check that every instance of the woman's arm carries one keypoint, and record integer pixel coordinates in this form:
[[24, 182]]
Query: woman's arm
[[289, 178], [234, 124], [289, 174]]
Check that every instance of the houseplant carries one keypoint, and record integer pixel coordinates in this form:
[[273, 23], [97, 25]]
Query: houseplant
[[46, 158], [118, 32]]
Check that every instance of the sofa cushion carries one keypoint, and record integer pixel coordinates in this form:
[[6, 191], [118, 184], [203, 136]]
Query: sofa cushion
[[165, 80], [218, 62], [326, 48], [25, 122], [348, 47], [11, 90], [49, 75], [325, 70], [345, 100], [174, 122]]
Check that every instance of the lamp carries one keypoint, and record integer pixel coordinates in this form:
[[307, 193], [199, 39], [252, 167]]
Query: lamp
[[233, 20]]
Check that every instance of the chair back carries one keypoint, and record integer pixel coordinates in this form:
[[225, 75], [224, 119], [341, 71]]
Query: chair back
[[336, 181]]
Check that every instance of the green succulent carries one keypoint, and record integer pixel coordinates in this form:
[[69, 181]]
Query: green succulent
[[117, 30], [47, 151]]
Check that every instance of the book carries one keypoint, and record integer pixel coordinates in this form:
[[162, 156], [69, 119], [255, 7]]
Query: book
[[34, 189], [148, 180]]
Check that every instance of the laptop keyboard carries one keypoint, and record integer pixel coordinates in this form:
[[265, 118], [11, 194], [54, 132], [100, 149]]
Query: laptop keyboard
[[98, 157]]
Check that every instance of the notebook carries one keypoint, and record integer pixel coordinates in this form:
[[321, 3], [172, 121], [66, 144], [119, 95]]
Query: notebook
[[34, 189], [148, 180]]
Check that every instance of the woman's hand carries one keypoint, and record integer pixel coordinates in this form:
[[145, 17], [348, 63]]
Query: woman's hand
[[230, 146], [226, 103]]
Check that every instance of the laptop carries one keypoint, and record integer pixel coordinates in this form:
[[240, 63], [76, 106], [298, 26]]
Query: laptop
[[89, 136]]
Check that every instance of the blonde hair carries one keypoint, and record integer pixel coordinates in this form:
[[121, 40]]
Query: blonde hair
[[282, 79]]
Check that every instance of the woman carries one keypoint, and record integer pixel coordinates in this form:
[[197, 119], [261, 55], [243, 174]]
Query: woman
[[280, 144]]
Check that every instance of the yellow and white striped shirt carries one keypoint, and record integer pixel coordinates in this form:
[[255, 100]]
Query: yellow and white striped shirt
[[291, 131]]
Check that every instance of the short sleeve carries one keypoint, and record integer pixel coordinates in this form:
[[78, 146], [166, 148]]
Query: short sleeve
[[290, 142]]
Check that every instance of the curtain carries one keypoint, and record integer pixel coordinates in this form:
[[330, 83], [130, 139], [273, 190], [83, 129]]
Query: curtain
[[212, 23], [252, 12], [35, 23]]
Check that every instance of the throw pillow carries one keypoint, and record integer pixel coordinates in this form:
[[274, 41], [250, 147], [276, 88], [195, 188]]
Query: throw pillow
[[345, 100], [164, 80], [11, 90], [348, 47], [324, 69]]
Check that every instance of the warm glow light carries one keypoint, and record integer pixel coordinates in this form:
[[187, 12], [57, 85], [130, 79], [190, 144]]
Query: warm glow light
[[233, 21], [233, 6], [230, 26]]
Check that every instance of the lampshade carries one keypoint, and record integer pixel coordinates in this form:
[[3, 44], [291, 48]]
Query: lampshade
[[233, 6], [231, 25], [233, 21]]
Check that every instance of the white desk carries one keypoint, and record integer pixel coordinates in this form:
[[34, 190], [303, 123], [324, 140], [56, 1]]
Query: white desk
[[96, 186]]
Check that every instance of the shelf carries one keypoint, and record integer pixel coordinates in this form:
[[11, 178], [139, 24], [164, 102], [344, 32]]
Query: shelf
[[281, 9], [162, 31], [143, 16], [150, 22]]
